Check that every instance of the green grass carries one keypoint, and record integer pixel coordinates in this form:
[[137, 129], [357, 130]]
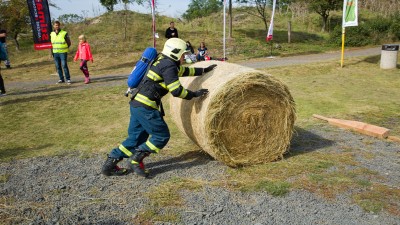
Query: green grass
[[273, 188], [378, 198], [165, 197], [360, 91]]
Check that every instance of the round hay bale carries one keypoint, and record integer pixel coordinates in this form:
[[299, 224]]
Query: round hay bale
[[247, 118]]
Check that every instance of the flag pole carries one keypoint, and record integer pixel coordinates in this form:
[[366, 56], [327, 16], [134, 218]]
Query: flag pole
[[271, 27], [350, 18], [271, 51], [224, 27], [154, 21], [343, 38]]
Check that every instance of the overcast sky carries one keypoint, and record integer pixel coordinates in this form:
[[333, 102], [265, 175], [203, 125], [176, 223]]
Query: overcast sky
[[93, 8]]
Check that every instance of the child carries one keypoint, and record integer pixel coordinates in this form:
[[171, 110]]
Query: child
[[84, 54], [202, 52]]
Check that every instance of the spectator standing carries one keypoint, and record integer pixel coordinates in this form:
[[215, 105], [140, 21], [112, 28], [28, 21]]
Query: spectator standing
[[84, 54], [3, 38], [171, 31], [60, 42], [3, 57]]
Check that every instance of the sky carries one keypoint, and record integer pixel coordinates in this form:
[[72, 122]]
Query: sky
[[93, 8]]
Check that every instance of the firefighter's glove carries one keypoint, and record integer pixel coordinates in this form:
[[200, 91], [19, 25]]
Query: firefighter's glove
[[209, 68], [201, 92]]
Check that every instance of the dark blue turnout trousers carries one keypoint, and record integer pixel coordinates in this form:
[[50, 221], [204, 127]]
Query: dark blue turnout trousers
[[147, 131]]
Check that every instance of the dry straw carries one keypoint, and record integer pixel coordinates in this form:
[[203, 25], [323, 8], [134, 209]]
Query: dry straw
[[248, 117]]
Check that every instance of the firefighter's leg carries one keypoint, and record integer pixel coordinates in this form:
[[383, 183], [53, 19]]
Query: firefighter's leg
[[110, 167], [154, 124], [137, 136]]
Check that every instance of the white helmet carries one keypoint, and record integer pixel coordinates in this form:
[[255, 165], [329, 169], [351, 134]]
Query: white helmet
[[174, 48]]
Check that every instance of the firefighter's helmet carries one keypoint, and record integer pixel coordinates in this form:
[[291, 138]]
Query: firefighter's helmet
[[174, 48]]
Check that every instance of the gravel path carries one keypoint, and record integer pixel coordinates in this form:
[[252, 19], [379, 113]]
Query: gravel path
[[70, 190]]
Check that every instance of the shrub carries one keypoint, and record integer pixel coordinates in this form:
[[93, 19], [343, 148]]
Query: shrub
[[394, 29], [372, 31], [355, 36]]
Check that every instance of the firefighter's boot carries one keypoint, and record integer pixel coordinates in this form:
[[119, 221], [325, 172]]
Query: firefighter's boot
[[137, 165], [110, 168]]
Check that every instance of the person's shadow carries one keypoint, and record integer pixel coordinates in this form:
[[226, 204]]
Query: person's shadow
[[186, 160]]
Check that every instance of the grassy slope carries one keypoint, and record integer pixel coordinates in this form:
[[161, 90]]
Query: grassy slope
[[115, 51]]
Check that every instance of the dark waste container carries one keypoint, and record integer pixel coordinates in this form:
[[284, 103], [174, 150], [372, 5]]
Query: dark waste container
[[389, 56]]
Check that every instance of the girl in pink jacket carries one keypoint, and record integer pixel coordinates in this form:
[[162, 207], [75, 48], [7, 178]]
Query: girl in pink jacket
[[84, 54]]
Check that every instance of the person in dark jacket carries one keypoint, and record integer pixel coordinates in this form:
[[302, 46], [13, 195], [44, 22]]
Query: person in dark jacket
[[171, 31], [3, 39], [3, 57], [147, 132]]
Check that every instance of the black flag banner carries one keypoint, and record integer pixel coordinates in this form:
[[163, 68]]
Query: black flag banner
[[41, 23]]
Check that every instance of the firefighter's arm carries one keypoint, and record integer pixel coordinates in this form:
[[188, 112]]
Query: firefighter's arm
[[194, 71], [174, 86]]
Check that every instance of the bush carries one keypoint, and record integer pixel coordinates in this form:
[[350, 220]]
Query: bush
[[394, 29], [372, 31], [355, 36]]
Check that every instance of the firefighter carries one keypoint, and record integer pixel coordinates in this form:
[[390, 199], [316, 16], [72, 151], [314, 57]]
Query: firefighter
[[147, 132]]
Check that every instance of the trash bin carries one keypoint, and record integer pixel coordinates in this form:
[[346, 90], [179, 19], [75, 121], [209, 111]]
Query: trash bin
[[389, 56]]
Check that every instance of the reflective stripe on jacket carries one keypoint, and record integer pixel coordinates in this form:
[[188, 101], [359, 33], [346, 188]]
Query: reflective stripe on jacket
[[58, 42]]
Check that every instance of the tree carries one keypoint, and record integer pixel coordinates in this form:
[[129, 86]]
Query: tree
[[201, 8], [70, 18], [261, 7], [109, 4], [14, 18], [323, 8]]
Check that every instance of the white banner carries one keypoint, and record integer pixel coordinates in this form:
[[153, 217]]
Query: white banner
[[271, 24], [350, 13]]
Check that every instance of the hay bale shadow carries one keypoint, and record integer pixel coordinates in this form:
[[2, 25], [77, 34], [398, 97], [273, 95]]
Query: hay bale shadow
[[304, 141]]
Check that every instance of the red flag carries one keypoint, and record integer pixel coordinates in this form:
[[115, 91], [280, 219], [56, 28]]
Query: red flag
[[271, 24], [41, 23]]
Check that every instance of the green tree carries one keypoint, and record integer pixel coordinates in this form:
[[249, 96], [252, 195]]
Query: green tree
[[109, 4], [14, 17], [201, 8], [323, 8], [70, 18]]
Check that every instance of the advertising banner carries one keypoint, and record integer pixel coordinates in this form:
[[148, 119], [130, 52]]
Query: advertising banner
[[41, 23]]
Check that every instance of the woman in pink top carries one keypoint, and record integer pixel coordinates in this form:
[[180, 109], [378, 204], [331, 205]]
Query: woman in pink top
[[84, 54]]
